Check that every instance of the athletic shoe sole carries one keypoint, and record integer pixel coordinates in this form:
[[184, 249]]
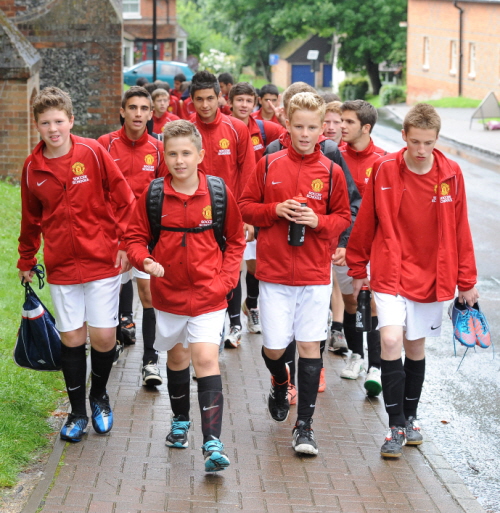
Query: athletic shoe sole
[[306, 449], [216, 462], [373, 388]]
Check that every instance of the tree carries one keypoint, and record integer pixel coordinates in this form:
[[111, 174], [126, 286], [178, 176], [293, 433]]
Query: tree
[[368, 31]]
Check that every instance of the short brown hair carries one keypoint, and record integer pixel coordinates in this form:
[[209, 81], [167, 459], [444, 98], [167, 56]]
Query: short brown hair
[[334, 107], [306, 101], [52, 98], [135, 91], [159, 92], [291, 90], [424, 116], [182, 128], [366, 112], [242, 88]]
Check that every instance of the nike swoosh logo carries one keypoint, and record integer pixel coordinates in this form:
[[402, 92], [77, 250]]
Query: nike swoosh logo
[[275, 183], [210, 407], [41, 183], [390, 405], [71, 389], [435, 328], [385, 188], [413, 399], [180, 397], [165, 215], [312, 406]]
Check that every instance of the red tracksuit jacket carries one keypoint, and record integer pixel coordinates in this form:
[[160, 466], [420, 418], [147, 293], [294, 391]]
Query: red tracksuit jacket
[[198, 276], [159, 123], [375, 238], [228, 150], [289, 174], [80, 219], [272, 130]]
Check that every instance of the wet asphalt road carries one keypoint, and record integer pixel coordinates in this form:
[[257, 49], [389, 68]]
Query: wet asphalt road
[[460, 409]]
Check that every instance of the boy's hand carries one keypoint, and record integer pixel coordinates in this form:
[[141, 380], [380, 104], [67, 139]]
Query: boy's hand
[[338, 258], [279, 112], [27, 275], [469, 296], [289, 209], [153, 268], [249, 232], [122, 260], [357, 284], [307, 216]]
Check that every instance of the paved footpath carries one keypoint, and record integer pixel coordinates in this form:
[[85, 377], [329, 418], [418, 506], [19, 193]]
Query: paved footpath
[[131, 471]]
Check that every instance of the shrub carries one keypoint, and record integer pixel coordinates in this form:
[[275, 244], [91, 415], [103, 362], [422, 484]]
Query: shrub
[[353, 89], [390, 94]]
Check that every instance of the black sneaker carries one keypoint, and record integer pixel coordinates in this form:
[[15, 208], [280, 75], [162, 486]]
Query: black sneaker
[[118, 352], [413, 435], [127, 326], [151, 376], [394, 441], [303, 438], [74, 428], [278, 401]]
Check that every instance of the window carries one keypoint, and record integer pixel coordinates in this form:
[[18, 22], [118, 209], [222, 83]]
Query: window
[[472, 60], [131, 9], [427, 52], [453, 57]]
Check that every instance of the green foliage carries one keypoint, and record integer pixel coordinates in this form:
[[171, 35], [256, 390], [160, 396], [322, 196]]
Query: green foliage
[[374, 100], [353, 89], [458, 102], [26, 397], [391, 94]]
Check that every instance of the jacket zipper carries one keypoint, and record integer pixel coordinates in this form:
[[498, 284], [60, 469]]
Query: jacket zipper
[[294, 248], [71, 228]]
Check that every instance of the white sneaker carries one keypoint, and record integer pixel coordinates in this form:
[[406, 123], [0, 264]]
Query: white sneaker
[[253, 318], [354, 367], [151, 375], [234, 337], [373, 382], [337, 343]]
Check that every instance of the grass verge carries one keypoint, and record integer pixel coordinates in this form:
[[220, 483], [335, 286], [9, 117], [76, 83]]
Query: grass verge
[[455, 103], [26, 397]]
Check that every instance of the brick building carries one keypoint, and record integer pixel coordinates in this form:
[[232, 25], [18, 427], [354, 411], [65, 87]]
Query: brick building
[[435, 69]]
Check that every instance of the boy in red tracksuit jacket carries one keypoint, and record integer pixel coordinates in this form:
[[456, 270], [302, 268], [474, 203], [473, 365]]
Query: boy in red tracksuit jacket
[[140, 158], [242, 99], [413, 228], [359, 152], [229, 155], [294, 280], [161, 113], [76, 197], [191, 277]]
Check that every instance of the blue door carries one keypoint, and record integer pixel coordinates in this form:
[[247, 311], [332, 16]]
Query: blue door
[[327, 75], [302, 73]]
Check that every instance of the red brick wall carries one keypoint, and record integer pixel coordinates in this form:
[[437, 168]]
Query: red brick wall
[[439, 21]]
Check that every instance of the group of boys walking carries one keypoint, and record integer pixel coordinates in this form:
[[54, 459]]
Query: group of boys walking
[[410, 243]]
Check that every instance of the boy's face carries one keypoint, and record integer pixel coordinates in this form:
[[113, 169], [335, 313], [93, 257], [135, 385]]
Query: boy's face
[[177, 85], [265, 100], [243, 105], [137, 113], [420, 143], [161, 103], [305, 127], [54, 127], [332, 126], [225, 88], [182, 158], [206, 103], [352, 131]]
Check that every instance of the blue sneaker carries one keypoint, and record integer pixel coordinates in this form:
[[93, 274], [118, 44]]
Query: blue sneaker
[[74, 428], [463, 326], [178, 436], [481, 327], [102, 416], [215, 457]]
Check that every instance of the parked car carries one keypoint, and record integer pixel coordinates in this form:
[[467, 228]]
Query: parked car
[[165, 70]]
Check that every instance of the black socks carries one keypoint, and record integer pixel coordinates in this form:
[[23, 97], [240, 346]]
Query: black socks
[[308, 381], [353, 338], [415, 375], [277, 368], [74, 368], [178, 390], [393, 389], [126, 299], [101, 368], [211, 403], [148, 335], [337, 326], [252, 290], [234, 305], [373, 343]]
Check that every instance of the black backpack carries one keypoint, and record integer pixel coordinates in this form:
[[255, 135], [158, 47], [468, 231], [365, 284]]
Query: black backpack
[[218, 198]]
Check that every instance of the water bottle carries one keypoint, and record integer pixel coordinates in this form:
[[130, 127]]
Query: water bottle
[[296, 232], [364, 310]]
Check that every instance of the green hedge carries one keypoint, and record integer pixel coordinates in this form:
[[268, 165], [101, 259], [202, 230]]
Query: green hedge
[[353, 88], [391, 94]]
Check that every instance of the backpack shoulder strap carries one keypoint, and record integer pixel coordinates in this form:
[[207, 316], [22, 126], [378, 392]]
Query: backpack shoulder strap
[[154, 203], [218, 198], [260, 123]]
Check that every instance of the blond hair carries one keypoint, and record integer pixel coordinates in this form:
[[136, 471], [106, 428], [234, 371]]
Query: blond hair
[[423, 116], [182, 128], [307, 101], [52, 98], [334, 107], [159, 92]]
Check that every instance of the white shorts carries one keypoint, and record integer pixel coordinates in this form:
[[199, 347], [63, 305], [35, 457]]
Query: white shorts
[[419, 320], [288, 312], [95, 302], [344, 280], [134, 273], [174, 329], [250, 251]]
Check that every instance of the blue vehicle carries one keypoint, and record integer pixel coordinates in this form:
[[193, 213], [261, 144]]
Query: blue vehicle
[[165, 70]]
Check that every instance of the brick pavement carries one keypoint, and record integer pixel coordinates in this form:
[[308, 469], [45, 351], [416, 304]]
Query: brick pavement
[[131, 471]]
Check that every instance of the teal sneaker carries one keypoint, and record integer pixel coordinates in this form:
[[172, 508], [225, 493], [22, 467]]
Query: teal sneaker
[[178, 436], [481, 327], [215, 457], [74, 428]]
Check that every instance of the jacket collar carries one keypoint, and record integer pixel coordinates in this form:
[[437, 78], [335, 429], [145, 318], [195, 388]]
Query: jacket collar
[[360, 154], [202, 187], [37, 160], [212, 125], [304, 159], [445, 170], [139, 142]]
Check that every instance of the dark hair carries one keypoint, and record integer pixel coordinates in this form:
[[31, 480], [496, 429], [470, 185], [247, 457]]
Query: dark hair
[[141, 81], [242, 88], [135, 91], [162, 85], [204, 80], [226, 78], [180, 77], [150, 87], [330, 97], [366, 112], [268, 89]]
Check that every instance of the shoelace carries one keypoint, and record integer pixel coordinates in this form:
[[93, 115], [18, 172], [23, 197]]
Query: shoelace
[[180, 427], [152, 369], [351, 364], [254, 315], [213, 445]]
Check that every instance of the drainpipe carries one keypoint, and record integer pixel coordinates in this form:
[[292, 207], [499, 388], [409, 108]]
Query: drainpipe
[[460, 39], [155, 44]]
